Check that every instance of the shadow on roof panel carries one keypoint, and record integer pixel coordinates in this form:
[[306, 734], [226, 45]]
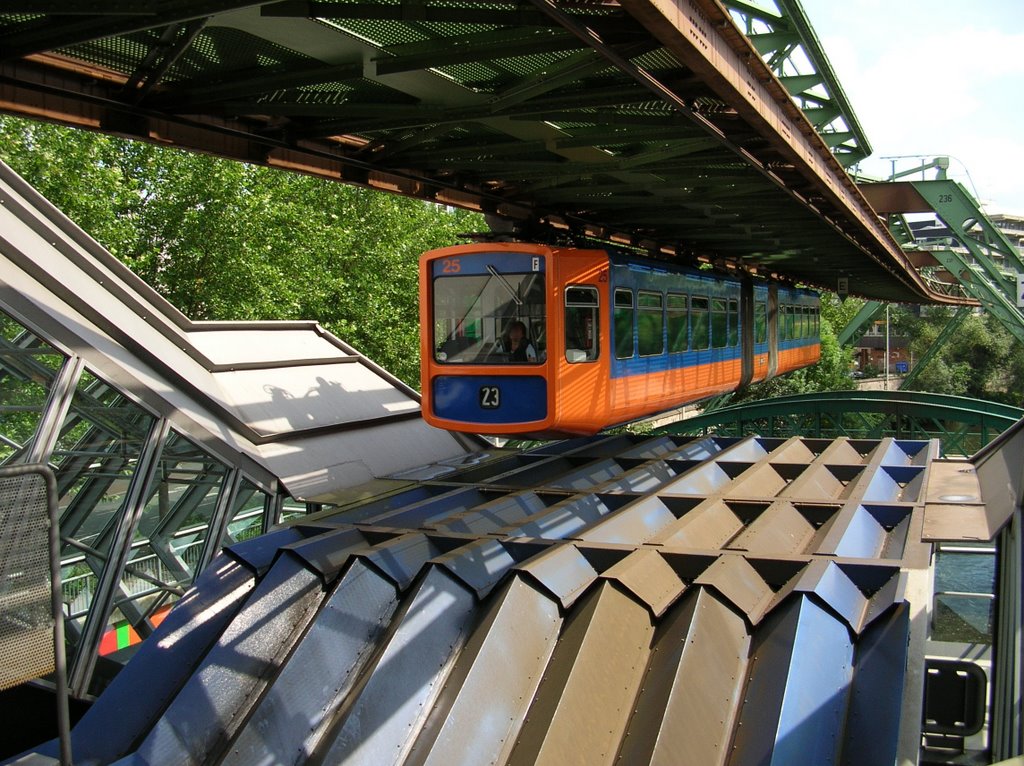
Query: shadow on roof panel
[[212, 705], [401, 684], [796, 702], [293, 716], [479, 713], [111, 727], [587, 694], [692, 686]]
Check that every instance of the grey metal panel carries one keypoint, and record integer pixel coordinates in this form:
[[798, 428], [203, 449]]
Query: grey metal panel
[[706, 479], [212, 705], [740, 584], [432, 510], [329, 552], [484, 702], [794, 450], [258, 553], [563, 570], [480, 565], [494, 515], [646, 478], [584, 701], [865, 537], [565, 519], [634, 524], [818, 482], [691, 692], [122, 714], [379, 724], [296, 711], [588, 476], [795, 705], [872, 730], [646, 575], [892, 592], [749, 450], [650, 448], [828, 582], [402, 559], [702, 449], [709, 525]]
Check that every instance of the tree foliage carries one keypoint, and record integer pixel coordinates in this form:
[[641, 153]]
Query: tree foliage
[[223, 240]]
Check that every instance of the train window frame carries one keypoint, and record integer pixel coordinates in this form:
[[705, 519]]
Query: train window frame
[[650, 343], [734, 323], [760, 322], [477, 336], [576, 353], [719, 322], [700, 309], [622, 310], [677, 322]]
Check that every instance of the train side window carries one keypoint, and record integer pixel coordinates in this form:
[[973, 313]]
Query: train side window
[[786, 325], [719, 323], [582, 324], [760, 322], [734, 323], [650, 327], [623, 319], [678, 323], [699, 322]]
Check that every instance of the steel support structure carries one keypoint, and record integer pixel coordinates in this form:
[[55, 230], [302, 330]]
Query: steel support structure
[[951, 327]]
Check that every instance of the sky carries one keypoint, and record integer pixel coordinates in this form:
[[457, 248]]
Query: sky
[[935, 77]]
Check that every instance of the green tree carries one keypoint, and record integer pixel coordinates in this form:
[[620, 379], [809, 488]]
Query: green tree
[[223, 240]]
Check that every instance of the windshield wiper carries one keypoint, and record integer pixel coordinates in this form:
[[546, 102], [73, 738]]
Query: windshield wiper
[[504, 282]]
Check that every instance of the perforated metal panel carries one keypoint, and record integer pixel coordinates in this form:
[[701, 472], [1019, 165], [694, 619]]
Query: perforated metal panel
[[26, 623]]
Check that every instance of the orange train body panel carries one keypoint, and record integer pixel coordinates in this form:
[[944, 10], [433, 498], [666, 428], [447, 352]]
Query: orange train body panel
[[579, 382]]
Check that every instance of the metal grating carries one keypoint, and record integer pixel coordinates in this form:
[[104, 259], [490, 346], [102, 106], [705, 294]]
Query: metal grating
[[26, 618], [630, 599]]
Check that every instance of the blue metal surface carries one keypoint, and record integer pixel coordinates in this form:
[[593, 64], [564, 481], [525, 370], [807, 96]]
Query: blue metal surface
[[520, 398], [502, 262], [800, 678]]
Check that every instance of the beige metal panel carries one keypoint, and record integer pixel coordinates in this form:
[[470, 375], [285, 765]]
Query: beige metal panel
[[584, 702], [563, 571], [954, 510], [763, 480], [820, 482], [780, 529], [480, 564], [795, 450], [647, 576], [693, 686], [710, 525], [839, 452], [740, 584], [478, 715]]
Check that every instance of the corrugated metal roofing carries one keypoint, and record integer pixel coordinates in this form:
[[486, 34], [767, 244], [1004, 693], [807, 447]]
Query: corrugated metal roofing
[[746, 606]]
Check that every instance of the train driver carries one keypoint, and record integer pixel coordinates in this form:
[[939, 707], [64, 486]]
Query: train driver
[[517, 344]]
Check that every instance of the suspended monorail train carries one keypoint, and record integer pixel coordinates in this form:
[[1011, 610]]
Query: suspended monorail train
[[527, 339]]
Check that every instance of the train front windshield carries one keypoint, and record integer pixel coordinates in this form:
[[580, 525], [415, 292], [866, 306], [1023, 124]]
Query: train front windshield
[[489, 309]]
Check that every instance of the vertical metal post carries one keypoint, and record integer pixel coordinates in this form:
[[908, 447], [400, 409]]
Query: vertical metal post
[[60, 670]]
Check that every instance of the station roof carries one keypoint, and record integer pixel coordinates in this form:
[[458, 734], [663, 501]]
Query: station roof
[[297, 402], [652, 599], [613, 119]]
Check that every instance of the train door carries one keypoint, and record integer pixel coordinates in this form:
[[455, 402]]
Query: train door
[[773, 330]]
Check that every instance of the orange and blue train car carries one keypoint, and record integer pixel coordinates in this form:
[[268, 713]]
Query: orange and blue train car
[[529, 339]]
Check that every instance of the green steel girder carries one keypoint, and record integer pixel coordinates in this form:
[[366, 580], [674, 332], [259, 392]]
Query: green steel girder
[[951, 327], [963, 425], [859, 323], [778, 37]]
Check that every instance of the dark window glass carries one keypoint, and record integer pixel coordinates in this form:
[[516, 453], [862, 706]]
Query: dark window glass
[[734, 323], [651, 324], [623, 317], [699, 323], [719, 323], [678, 323], [582, 324], [760, 323]]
